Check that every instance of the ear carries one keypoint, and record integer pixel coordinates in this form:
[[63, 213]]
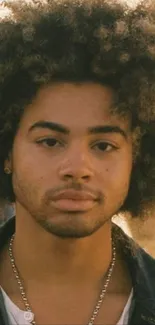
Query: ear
[[8, 165]]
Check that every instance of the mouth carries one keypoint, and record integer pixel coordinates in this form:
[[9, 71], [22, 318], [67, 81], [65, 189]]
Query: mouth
[[74, 201]]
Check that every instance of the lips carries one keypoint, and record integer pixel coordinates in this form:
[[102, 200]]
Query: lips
[[71, 200], [74, 195]]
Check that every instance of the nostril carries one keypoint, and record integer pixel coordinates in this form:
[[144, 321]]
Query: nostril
[[85, 177], [68, 176]]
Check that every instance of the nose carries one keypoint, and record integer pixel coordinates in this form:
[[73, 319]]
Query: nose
[[77, 166]]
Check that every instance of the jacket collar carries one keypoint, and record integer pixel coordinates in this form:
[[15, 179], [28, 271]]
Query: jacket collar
[[141, 267]]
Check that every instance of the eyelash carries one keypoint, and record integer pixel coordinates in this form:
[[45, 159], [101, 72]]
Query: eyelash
[[61, 144], [105, 144], [45, 140]]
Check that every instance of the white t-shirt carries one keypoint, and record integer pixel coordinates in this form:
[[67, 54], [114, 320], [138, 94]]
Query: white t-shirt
[[17, 316]]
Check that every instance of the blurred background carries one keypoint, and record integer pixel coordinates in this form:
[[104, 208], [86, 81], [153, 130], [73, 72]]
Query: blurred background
[[7, 211], [141, 230]]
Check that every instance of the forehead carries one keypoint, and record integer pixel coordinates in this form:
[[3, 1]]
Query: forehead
[[74, 105]]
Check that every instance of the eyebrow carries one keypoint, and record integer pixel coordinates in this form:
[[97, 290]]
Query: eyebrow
[[49, 125], [107, 129], [64, 130]]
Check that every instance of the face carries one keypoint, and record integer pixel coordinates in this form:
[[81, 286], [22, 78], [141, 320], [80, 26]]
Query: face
[[72, 159]]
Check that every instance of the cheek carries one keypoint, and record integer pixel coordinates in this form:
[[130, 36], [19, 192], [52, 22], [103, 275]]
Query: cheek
[[30, 184], [115, 173], [31, 163]]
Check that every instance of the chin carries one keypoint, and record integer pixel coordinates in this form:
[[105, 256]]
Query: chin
[[69, 229]]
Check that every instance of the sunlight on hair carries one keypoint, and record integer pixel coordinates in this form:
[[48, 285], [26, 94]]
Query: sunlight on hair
[[130, 3], [4, 12]]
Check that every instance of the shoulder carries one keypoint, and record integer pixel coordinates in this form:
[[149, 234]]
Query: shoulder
[[140, 264]]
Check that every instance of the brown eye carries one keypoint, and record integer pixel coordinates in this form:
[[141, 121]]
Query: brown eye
[[49, 142], [104, 146]]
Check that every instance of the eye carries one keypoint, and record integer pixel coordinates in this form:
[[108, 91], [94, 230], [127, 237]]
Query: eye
[[49, 142], [104, 146]]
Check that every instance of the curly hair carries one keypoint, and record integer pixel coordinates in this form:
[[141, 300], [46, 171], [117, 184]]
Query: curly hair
[[77, 40]]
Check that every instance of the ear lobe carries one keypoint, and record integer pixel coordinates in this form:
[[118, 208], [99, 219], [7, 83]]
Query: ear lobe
[[7, 170]]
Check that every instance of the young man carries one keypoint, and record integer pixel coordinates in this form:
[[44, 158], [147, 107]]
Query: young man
[[77, 98]]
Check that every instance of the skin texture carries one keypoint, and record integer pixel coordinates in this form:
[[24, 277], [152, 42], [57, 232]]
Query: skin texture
[[45, 162], [70, 243]]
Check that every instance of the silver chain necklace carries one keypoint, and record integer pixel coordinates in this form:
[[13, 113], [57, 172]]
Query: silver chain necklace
[[29, 314]]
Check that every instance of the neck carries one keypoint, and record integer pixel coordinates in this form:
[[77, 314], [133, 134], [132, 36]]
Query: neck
[[41, 256]]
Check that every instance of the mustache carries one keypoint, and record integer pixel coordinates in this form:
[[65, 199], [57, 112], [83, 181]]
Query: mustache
[[76, 187]]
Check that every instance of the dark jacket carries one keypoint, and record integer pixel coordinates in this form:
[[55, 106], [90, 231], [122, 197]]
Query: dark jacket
[[141, 267]]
